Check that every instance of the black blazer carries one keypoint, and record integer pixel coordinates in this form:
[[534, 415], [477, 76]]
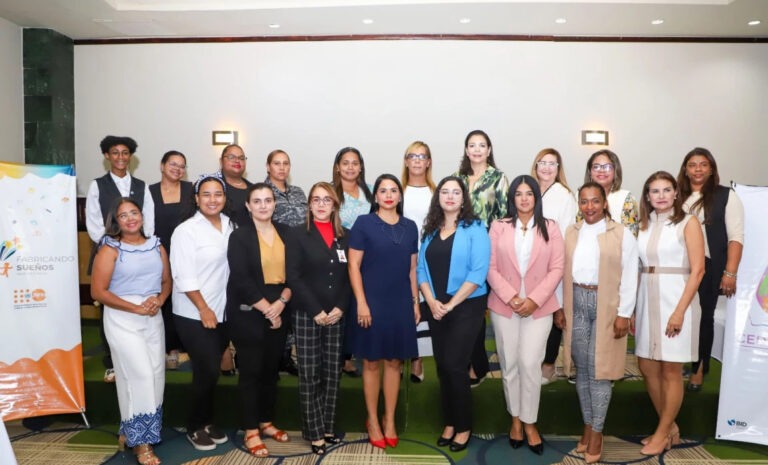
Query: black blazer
[[318, 279], [246, 279]]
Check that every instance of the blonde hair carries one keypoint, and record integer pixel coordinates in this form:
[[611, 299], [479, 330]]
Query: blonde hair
[[560, 177], [406, 174]]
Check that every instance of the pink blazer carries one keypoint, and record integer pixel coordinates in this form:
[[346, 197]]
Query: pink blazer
[[545, 269]]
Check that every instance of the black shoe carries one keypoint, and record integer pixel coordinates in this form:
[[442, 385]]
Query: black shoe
[[537, 449], [693, 387], [231, 372], [456, 447], [216, 435], [475, 382], [318, 449], [200, 440], [351, 373], [416, 379], [289, 366], [442, 442], [515, 443], [332, 439]]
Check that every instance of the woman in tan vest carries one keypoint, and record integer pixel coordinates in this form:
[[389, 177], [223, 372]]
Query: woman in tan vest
[[599, 254]]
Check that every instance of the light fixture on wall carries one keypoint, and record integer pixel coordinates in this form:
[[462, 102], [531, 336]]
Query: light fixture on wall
[[594, 137], [224, 137]]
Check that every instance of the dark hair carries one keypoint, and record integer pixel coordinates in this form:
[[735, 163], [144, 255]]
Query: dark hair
[[645, 203], [379, 180], [171, 153], [258, 186], [338, 230], [111, 226], [707, 190], [603, 195], [275, 152], [436, 216], [465, 169], [210, 177], [560, 176], [227, 147], [111, 141], [616, 168], [336, 176], [538, 214]]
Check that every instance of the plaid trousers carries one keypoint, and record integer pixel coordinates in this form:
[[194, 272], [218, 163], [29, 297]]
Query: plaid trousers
[[319, 358]]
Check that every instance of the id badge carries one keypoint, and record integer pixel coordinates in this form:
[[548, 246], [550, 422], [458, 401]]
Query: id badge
[[342, 255]]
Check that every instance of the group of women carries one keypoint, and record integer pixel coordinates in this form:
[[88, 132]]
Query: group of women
[[354, 269]]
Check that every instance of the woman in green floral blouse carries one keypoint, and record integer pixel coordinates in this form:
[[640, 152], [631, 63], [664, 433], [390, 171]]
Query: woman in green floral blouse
[[488, 188]]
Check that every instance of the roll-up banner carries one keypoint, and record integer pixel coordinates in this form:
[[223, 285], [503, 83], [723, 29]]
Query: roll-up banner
[[41, 362], [743, 411]]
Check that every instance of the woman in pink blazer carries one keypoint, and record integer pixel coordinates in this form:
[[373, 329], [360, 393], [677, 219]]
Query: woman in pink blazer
[[527, 255]]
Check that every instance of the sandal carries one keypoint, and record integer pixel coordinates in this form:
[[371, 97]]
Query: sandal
[[279, 435], [145, 455], [260, 449]]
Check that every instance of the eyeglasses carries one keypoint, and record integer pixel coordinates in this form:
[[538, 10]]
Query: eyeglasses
[[235, 157], [129, 214], [173, 164], [417, 156], [546, 164], [321, 200], [605, 167]]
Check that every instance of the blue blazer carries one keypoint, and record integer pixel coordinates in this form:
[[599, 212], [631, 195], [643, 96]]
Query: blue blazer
[[470, 258]]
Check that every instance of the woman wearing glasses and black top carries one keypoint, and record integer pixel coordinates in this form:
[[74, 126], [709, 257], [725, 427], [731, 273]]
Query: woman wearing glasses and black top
[[232, 164], [317, 275]]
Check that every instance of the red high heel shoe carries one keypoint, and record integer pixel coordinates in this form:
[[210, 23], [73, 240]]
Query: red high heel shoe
[[380, 443]]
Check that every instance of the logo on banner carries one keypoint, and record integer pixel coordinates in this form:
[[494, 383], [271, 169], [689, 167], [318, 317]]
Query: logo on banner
[[7, 249], [737, 423], [29, 298]]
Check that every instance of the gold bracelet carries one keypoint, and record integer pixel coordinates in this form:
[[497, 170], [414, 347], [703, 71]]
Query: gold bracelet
[[729, 274]]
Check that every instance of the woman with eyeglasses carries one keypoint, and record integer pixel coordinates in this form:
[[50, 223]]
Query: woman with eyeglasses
[[671, 246], [559, 205], [200, 272], [232, 163], [318, 276], [526, 267], [452, 267], [488, 187], [418, 187], [355, 199], [131, 277], [382, 272], [257, 304], [604, 168], [599, 291], [174, 201]]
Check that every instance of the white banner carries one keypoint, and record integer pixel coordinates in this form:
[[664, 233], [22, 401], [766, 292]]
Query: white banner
[[41, 364], [743, 411]]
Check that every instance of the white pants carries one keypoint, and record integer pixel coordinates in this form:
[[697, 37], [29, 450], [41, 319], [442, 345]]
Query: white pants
[[6, 452], [521, 344]]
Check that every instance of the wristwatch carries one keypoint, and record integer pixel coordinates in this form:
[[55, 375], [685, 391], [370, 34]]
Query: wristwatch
[[283, 300]]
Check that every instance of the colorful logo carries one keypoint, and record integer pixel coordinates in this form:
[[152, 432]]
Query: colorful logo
[[762, 292], [7, 249]]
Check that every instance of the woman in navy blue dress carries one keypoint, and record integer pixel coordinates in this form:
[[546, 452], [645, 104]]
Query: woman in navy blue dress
[[382, 271]]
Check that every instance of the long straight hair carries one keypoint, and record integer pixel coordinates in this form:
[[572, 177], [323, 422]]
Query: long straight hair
[[338, 230], [336, 176], [465, 169], [538, 212], [645, 203], [427, 174], [560, 176], [707, 190]]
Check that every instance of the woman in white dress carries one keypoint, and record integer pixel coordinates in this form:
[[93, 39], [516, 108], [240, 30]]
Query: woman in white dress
[[559, 205], [418, 187], [131, 277], [671, 247], [604, 168]]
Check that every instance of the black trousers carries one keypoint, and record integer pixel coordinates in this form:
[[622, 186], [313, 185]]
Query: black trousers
[[259, 351], [205, 347], [172, 341], [452, 341], [553, 345], [479, 359], [709, 291]]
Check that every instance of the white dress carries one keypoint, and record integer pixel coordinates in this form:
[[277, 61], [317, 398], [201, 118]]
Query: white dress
[[662, 245], [416, 200]]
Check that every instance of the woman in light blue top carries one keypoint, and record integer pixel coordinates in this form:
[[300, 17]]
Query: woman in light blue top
[[452, 266]]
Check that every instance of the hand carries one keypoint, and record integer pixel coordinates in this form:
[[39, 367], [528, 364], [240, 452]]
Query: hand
[[674, 324], [438, 309], [277, 322], [632, 321], [364, 318], [335, 316], [728, 285], [275, 309], [208, 318], [416, 313], [515, 302], [620, 327], [527, 308], [149, 307], [321, 319], [559, 319]]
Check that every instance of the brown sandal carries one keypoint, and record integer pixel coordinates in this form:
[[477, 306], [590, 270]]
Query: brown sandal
[[145, 455], [259, 450], [279, 435]]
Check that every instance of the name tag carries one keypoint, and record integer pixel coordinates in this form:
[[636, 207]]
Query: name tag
[[342, 255]]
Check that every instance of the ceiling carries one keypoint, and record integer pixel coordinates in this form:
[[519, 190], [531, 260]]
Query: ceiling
[[113, 19]]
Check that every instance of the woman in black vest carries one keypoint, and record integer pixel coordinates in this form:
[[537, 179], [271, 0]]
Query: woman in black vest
[[721, 214]]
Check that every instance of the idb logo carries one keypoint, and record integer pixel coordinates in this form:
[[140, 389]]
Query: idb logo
[[740, 424]]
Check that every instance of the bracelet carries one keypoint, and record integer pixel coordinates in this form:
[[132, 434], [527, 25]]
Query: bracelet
[[729, 274], [283, 300], [415, 299]]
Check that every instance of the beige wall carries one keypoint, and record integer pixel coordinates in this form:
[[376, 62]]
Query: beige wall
[[11, 93], [657, 100]]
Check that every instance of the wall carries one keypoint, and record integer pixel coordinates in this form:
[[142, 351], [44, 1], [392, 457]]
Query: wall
[[657, 100], [11, 94]]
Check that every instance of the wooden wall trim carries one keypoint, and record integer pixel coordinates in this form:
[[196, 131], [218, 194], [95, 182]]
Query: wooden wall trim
[[483, 37]]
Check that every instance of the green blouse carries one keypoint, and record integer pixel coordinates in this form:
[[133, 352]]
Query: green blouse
[[488, 195]]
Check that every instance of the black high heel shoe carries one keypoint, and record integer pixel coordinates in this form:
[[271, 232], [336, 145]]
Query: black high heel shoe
[[318, 449], [457, 447], [515, 443], [442, 442], [537, 449], [332, 439]]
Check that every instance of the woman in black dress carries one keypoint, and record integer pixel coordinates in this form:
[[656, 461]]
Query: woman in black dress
[[174, 202]]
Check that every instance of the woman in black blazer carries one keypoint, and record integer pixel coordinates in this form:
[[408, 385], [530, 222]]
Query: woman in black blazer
[[257, 297], [317, 274]]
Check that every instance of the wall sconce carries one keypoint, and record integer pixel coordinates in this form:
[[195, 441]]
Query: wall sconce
[[224, 137], [594, 137]]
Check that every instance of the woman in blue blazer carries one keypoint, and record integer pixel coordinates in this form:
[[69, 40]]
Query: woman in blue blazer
[[452, 267]]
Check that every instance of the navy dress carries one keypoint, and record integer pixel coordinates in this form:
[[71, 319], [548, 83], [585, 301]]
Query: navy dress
[[387, 251]]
